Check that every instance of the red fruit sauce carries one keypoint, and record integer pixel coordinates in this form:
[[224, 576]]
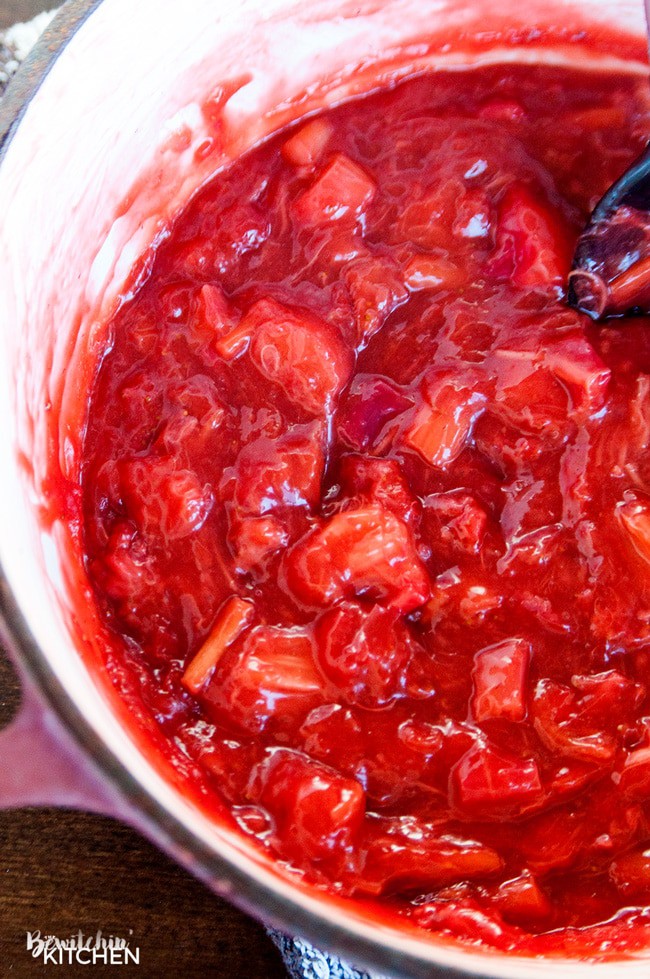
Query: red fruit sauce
[[367, 510]]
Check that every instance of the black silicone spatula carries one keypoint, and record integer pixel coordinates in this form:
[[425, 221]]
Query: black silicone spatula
[[611, 266]]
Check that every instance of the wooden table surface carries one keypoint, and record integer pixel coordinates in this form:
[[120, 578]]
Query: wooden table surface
[[65, 871]]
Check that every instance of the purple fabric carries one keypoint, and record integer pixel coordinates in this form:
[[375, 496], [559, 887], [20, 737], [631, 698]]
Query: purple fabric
[[303, 961]]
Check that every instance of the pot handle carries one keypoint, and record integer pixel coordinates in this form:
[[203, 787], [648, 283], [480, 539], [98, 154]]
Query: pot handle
[[41, 764]]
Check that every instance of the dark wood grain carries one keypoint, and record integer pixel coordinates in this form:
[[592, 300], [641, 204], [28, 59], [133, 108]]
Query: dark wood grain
[[64, 871]]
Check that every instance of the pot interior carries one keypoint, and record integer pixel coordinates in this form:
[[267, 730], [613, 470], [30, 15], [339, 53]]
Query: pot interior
[[103, 157]]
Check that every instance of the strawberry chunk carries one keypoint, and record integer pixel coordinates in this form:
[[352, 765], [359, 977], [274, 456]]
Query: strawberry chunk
[[316, 810], [461, 518], [528, 394], [254, 539], [522, 901], [378, 481], [304, 355], [633, 780], [444, 423], [574, 361], [427, 221], [376, 288], [370, 404], [500, 681], [405, 854], [272, 683], [608, 698], [502, 110], [306, 147], [461, 916], [564, 729], [284, 471], [631, 874], [198, 398], [164, 501], [366, 551], [490, 784], [342, 191], [364, 652], [530, 249], [474, 216], [127, 570], [232, 618]]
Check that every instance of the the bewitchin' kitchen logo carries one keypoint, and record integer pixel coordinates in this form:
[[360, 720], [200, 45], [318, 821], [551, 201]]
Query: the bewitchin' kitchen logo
[[80, 949]]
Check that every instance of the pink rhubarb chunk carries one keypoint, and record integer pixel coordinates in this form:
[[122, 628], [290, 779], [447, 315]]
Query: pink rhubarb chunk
[[444, 423], [342, 190], [500, 681]]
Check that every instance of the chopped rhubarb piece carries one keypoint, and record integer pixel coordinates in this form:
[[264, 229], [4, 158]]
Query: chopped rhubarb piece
[[272, 684], [530, 248], [369, 405], [490, 784], [163, 500], [232, 618], [316, 810], [364, 652], [306, 147], [271, 473], [522, 901], [633, 513], [500, 681], [444, 423], [425, 272], [304, 355], [631, 874], [213, 315], [235, 342], [377, 289], [404, 854], [342, 190], [365, 551]]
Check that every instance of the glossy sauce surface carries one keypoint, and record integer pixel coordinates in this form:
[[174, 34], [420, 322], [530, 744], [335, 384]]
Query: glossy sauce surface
[[367, 510]]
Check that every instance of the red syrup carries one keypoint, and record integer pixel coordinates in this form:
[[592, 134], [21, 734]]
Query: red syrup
[[366, 510]]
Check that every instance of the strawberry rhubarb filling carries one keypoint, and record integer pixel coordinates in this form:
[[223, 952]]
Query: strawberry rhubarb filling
[[366, 510]]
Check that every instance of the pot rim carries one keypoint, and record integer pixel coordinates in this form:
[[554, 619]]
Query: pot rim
[[253, 896]]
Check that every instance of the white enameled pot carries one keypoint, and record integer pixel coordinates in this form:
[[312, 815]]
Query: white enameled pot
[[99, 133]]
